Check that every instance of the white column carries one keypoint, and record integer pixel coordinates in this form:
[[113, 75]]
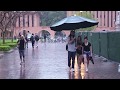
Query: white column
[[21, 21], [26, 20], [17, 22], [102, 18], [113, 18], [109, 18], [106, 19], [30, 20]]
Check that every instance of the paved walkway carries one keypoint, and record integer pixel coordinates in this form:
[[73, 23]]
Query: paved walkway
[[49, 61]]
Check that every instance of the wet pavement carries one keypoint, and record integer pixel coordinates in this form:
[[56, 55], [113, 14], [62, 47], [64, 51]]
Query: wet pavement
[[49, 61]]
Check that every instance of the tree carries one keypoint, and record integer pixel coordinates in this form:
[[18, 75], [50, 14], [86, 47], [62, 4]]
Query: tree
[[48, 18], [86, 15], [8, 21]]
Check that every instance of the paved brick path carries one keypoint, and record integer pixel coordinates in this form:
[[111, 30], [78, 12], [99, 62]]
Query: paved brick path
[[49, 61]]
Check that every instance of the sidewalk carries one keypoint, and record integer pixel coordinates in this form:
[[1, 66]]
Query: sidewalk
[[49, 61]]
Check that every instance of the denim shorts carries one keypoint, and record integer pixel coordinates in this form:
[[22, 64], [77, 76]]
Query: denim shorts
[[87, 53]]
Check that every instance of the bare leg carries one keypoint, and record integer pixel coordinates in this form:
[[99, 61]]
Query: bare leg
[[79, 61], [86, 62]]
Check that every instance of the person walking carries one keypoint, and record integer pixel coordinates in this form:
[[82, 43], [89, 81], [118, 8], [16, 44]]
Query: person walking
[[79, 51], [32, 39], [21, 46], [44, 37], [71, 50], [27, 40], [87, 52], [36, 40]]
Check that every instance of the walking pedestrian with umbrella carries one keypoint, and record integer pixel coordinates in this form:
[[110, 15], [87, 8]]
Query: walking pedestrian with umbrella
[[73, 23]]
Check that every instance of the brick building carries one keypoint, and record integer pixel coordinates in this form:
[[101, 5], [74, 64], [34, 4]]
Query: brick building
[[106, 19], [31, 22]]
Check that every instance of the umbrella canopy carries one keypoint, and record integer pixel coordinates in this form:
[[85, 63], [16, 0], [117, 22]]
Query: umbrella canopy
[[72, 23]]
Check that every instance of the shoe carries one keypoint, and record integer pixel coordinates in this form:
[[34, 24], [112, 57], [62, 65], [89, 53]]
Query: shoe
[[72, 70], [86, 69], [23, 60], [21, 63]]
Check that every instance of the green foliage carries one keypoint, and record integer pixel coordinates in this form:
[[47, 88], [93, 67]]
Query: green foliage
[[8, 41], [5, 48], [12, 44], [9, 44], [86, 15], [48, 18]]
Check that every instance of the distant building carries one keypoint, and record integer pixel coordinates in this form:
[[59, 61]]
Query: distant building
[[106, 19]]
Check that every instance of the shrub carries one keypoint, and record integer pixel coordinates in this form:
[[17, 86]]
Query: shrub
[[5, 48], [12, 44]]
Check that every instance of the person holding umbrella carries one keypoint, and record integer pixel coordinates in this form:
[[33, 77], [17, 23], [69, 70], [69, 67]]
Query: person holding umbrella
[[71, 49]]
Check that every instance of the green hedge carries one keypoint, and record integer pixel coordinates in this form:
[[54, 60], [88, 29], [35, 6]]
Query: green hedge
[[5, 48], [12, 44]]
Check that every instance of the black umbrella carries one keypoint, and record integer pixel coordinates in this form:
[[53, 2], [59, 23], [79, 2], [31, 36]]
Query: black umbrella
[[72, 23]]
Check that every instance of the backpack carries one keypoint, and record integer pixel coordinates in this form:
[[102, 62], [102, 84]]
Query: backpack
[[36, 38], [66, 47]]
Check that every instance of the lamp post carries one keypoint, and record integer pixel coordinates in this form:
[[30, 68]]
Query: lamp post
[[117, 23]]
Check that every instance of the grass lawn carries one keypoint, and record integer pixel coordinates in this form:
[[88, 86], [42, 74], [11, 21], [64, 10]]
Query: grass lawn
[[8, 44], [8, 41]]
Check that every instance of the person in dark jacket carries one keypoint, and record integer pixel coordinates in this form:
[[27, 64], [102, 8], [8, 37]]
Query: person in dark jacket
[[36, 39], [32, 39], [21, 46]]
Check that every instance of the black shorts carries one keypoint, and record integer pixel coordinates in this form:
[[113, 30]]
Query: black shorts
[[79, 52]]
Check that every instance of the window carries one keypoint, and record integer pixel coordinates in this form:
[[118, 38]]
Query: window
[[28, 21], [111, 18], [97, 14], [104, 18], [23, 20], [115, 15], [33, 20], [108, 18]]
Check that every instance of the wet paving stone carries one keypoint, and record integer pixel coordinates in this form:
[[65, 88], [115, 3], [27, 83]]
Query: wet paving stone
[[49, 61]]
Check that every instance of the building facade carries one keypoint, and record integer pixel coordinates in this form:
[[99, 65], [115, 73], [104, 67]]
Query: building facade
[[106, 19], [31, 22]]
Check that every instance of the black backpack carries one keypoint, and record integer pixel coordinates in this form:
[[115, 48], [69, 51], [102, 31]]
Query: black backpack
[[36, 38], [66, 47]]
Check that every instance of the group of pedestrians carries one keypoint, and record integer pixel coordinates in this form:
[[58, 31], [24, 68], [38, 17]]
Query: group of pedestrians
[[82, 49], [23, 43]]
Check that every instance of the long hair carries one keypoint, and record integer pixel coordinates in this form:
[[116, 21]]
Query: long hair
[[79, 40], [71, 34]]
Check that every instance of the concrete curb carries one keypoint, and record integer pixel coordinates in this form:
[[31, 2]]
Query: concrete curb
[[3, 52], [10, 50]]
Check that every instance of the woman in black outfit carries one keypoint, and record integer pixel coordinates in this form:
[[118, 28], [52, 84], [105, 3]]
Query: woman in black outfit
[[21, 46], [87, 52]]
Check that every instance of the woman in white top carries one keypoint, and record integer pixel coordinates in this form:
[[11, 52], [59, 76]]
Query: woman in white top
[[71, 49]]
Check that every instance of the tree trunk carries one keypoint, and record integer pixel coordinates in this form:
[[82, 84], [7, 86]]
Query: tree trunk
[[3, 37], [12, 36]]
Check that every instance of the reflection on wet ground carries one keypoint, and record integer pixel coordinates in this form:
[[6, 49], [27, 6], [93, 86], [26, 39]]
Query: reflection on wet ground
[[49, 61]]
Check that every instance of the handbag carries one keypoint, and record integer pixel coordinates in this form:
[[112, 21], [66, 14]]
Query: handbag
[[66, 47], [91, 59]]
